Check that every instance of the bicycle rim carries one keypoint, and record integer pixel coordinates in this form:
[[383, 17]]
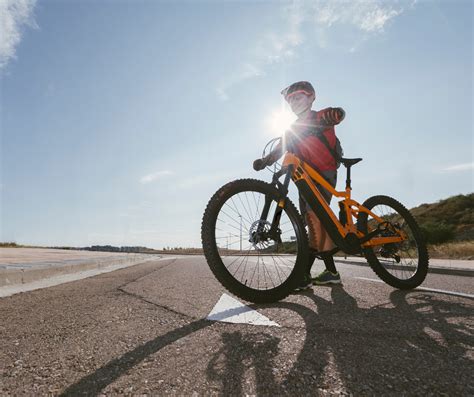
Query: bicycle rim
[[260, 263], [400, 260]]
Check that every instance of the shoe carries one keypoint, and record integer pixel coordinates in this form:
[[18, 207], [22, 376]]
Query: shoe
[[305, 284], [327, 277]]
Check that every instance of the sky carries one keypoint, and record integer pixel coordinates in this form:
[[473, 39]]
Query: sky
[[120, 119]]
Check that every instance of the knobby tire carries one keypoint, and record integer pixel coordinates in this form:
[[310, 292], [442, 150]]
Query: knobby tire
[[422, 253], [211, 252]]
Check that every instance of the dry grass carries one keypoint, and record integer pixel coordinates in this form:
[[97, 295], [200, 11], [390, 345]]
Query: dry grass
[[452, 250]]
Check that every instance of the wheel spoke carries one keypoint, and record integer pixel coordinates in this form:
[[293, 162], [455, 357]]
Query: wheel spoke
[[402, 259], [261, 264]]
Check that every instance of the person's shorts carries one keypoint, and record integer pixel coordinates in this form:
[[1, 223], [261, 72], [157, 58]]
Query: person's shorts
[[331, 177]]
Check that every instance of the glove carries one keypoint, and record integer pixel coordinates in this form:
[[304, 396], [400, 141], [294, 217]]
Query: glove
[[332, 116], [259, 164]]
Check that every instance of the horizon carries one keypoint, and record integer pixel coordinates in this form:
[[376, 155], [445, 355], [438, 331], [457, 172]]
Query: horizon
[[164, 248], [120, 121]]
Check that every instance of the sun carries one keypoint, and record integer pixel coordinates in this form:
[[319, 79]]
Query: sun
[[279, 121]]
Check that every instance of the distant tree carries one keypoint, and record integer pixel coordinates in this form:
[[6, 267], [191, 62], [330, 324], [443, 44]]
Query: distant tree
[[9, 245]]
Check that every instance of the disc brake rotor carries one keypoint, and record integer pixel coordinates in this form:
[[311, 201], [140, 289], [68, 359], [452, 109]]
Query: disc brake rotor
[[258, 233]]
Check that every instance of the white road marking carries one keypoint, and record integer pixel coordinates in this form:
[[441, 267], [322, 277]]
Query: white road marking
[[441, 291], [10, 290], [230, 310]]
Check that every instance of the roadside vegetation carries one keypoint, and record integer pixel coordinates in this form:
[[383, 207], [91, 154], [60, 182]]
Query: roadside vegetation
[[452, 250], [10, 245], [447, 220], [448, 226]]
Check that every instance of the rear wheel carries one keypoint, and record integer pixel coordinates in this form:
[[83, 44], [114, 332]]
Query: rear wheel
[[245, 255], [402, 265]]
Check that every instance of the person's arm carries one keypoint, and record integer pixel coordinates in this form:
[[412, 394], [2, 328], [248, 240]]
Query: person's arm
[[273, 156], [331, 116]]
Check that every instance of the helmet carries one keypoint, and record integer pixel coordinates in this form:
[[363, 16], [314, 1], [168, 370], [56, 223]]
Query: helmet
[[299, 86]]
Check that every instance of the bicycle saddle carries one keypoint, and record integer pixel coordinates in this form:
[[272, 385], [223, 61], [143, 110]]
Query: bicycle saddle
[[350, 162]]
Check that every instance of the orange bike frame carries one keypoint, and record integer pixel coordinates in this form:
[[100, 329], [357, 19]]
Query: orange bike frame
[[306, 177]]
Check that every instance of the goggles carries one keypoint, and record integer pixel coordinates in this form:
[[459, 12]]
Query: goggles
[[287, 97]]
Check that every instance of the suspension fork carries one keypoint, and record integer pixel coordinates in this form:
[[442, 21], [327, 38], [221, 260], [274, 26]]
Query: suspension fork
[[282, 193]]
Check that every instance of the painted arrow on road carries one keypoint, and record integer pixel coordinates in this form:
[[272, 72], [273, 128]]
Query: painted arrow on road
[[230, 310]]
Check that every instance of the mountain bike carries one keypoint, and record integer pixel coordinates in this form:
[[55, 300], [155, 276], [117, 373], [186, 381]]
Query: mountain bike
[[256, 244]]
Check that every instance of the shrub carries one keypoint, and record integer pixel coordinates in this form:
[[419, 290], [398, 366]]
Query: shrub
[[436, 233], [9, 245]]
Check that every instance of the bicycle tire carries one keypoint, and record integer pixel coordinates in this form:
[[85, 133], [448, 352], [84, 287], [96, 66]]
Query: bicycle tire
[[215, 261], [415, 243]]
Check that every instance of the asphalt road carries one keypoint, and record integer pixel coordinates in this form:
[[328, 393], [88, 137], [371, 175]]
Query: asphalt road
[[143, 330]]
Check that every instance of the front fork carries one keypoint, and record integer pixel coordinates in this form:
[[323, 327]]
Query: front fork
[[275, 232]]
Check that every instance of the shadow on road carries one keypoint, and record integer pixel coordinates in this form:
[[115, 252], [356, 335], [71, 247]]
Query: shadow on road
[[104, 376], [241, 353], [414, 344]]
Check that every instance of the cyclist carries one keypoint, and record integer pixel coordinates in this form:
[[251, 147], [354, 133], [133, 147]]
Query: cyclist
[[303, 139]]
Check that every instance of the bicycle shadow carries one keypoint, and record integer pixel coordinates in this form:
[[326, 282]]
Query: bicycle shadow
[[341, 356], [239, 353], [337, 354]]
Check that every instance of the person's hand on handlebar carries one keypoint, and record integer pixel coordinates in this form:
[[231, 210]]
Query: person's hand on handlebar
[[260, 164], [268, 160]]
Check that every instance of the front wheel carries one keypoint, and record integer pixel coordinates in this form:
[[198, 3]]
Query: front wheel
[[402, 265], [249, 258]]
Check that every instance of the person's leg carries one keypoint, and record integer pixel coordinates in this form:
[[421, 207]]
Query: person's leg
[[330, 275], [306, 282], [313, 230], [329, 263], [319, 241], [311, 259], [324, 242]]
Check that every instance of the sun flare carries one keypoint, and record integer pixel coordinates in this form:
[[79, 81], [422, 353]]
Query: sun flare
[[279, 121]]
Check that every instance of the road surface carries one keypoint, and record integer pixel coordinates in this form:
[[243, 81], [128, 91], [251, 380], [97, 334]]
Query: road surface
[[144, 330]]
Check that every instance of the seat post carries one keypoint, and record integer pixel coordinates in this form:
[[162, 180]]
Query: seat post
[[348, 163], [348, 178]]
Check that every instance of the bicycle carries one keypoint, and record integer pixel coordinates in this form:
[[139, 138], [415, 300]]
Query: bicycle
[[260, 216]]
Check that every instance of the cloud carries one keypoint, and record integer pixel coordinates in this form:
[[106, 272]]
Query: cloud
[[316, 19], [273, 47], [279, 45], [13, 15], [155, 176], [366, 15], [459, 167], [245, 72]]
